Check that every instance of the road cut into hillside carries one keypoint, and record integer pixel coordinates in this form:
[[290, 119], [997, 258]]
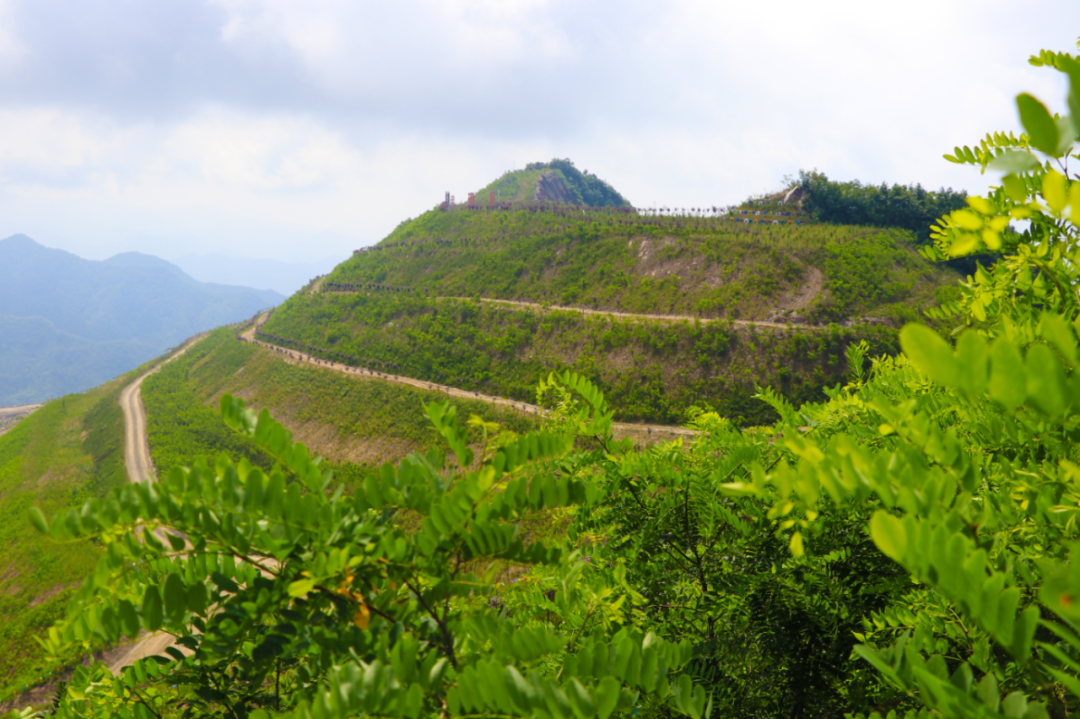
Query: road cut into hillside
[[140, 467], [642, 432], [546, 308], [537, 307]]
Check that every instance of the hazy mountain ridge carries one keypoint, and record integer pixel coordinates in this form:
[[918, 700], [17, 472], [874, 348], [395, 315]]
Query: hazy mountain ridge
[[278, 276], [70, 323]]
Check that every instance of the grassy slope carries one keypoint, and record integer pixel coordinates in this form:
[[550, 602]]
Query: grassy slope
[[704, 267], [649, 371], [65, 453], [712, 267], [183, 423]]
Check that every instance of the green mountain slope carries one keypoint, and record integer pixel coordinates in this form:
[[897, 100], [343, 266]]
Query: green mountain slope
[[555, 181], [410, 303], [356, 424], [68, 451]]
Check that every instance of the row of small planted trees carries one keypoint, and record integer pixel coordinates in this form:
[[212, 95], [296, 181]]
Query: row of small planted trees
[[909, 545]]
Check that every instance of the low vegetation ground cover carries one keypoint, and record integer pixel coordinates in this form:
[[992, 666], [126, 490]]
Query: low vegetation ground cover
[[650, 371], [704, 266], [183, 423], [67, 452]]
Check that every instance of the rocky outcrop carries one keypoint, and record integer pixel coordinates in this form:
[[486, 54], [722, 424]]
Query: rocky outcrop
[[550, 188], [793, 196]]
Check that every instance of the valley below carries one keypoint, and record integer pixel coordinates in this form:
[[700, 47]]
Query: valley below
[[10, 415]]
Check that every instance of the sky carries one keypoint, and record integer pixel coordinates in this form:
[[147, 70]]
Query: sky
[[298, 131]]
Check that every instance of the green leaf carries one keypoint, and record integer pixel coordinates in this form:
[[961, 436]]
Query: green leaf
[[197, 598], [129, 618], [1008, 383], [580, 700], [301, 587], [888, 534], [1038, 123], [152, 609], [175, 597], [1046, 381], [974, 361], [1058, 332], [38, 520], [1014, 161], [987, 691], [1054, 187], [929, 353], [1014, 188], [607, 696]]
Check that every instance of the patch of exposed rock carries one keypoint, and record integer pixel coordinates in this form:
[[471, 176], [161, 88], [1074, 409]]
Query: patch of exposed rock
[[550, 188]]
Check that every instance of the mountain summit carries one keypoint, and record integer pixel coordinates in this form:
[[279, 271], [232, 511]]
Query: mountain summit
[[556, 181]]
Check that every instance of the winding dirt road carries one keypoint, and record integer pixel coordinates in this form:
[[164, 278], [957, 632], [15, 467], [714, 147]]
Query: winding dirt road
[[536, 307], [140, 467], [623, 429]]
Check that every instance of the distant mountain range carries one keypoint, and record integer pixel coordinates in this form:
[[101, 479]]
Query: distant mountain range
[[283, 277], [67, 324]]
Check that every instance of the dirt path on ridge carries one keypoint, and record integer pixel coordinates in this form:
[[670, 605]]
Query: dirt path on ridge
[[801, 300], [623, 429], [140, 467], [537, 307]]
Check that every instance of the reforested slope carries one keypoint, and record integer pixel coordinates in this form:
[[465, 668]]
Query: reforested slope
[[355, 423], [411, 304], [613, 260], [650, 371]]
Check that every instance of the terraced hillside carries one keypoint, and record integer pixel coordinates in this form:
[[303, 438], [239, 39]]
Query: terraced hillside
[[416, 303], [355, 423]]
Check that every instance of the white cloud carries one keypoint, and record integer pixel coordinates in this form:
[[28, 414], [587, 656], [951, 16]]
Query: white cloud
[[12, 50], [282, 128]]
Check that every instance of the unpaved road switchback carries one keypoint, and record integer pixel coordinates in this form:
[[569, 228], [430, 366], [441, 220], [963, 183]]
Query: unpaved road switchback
[[641, 432]]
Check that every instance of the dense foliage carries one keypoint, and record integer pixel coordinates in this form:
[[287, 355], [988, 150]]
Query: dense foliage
[[853, 203], [910, 546]]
